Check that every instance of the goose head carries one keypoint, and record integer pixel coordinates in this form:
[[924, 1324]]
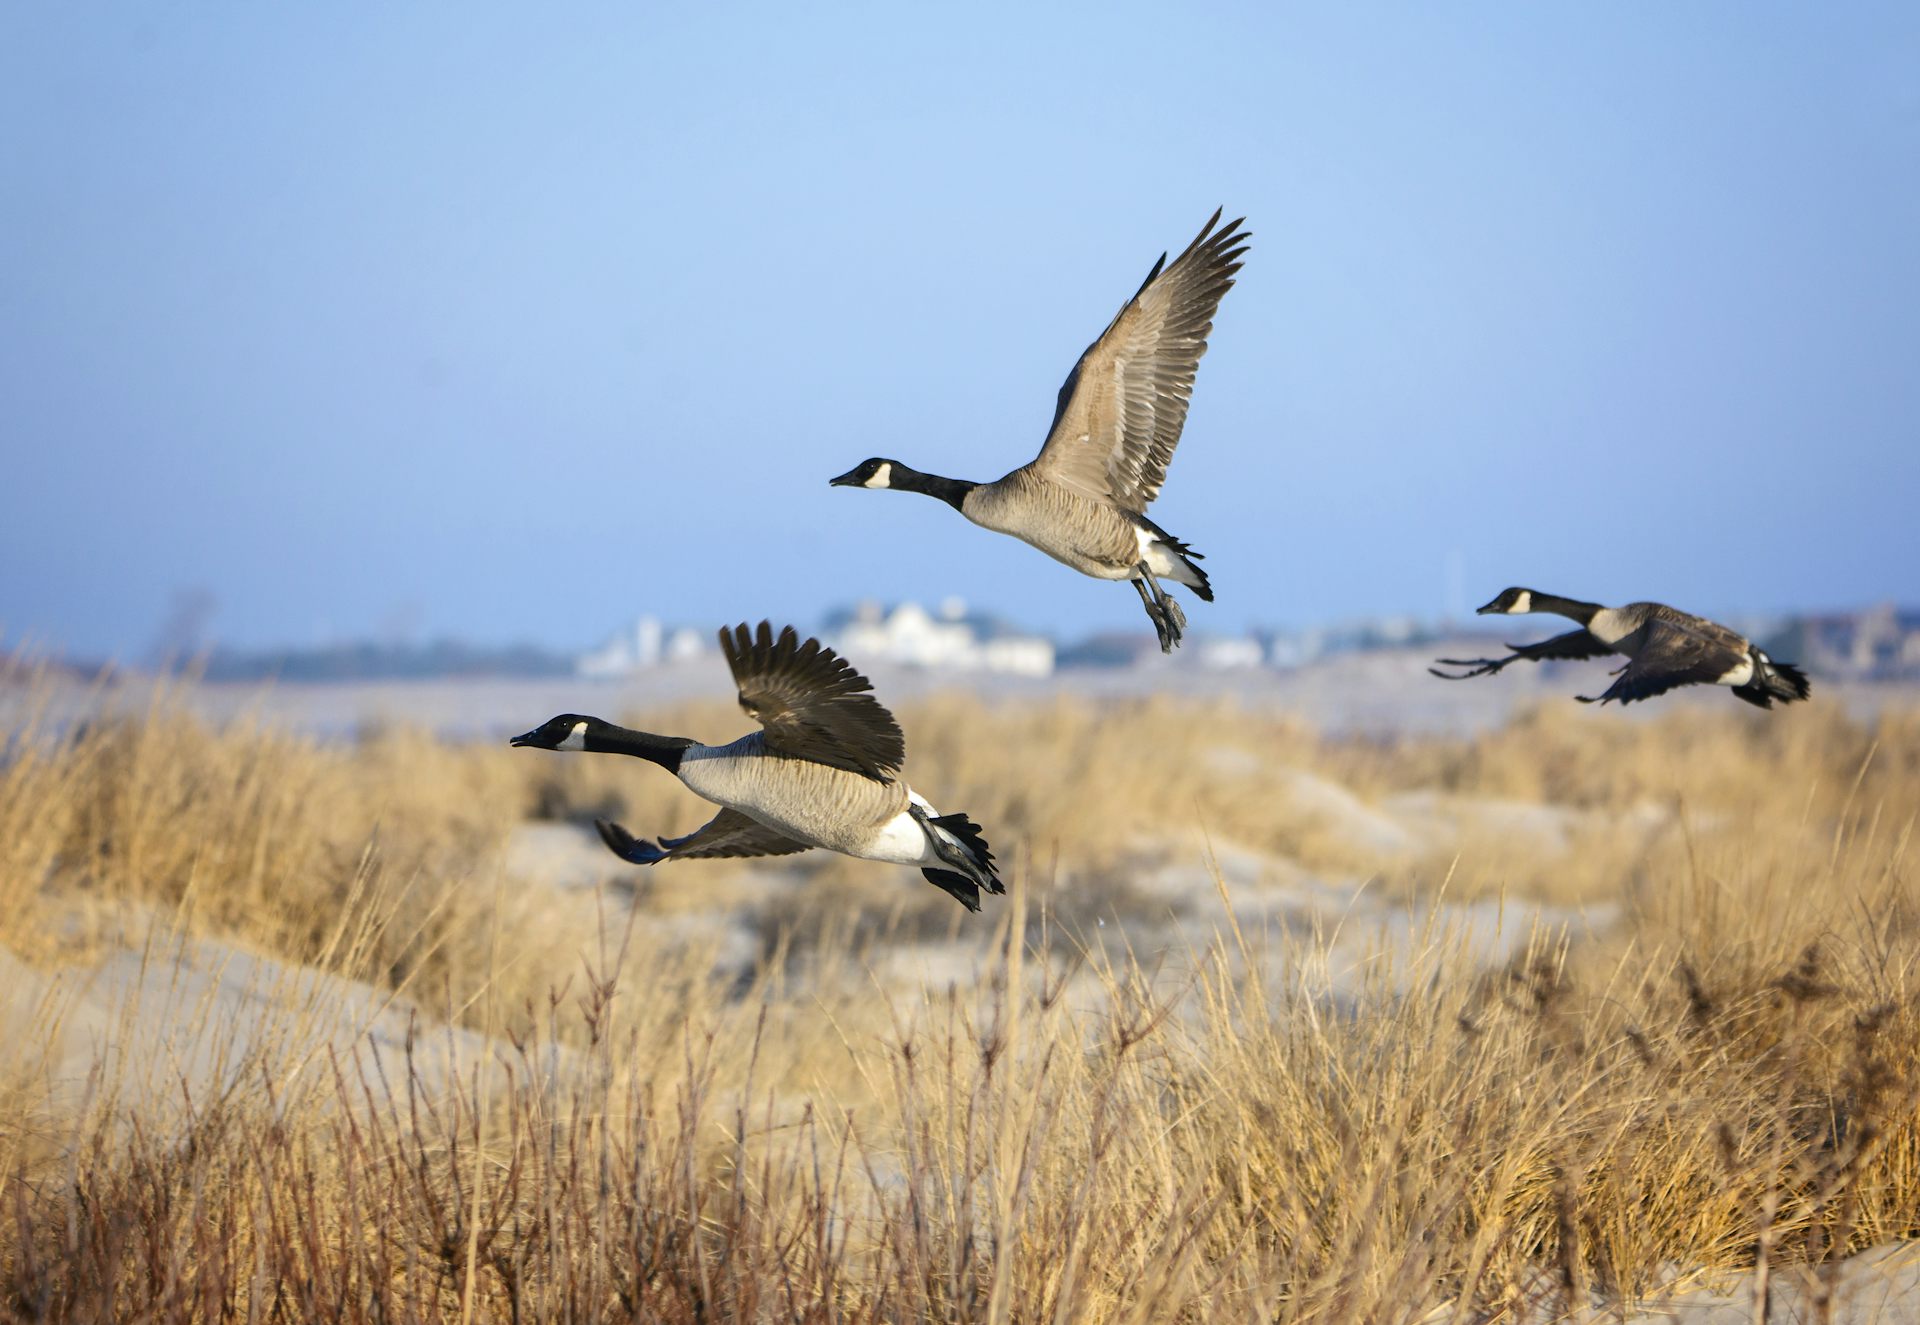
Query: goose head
[[568, 731], [1511, 602], [874, 473]]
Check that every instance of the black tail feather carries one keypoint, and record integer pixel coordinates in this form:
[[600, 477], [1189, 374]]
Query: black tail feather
[[1771, 681], [1787, 682], [965, 889], [973, 839], [1204, 589], [958, 886]]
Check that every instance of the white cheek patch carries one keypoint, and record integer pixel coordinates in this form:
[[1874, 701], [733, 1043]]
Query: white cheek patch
[[1524, 603], [576, 739], [882, 478]]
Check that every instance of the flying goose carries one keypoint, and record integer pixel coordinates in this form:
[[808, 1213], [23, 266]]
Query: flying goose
[[1665, 648], [1083, 499], [823, 771]]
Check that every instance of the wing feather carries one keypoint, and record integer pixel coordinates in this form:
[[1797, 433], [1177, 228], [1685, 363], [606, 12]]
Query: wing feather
[[812, 704], [1121, 410], [728, 834], [1675, 653], [1563, 648]]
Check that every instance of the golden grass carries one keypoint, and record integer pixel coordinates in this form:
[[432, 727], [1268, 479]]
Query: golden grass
[[1727, 1073]]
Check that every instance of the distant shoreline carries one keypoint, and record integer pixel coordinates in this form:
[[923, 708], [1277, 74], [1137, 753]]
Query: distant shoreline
[[1378, 693]]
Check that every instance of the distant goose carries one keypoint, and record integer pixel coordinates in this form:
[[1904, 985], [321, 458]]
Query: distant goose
[[1083, 500], [823, 771], [1666, 648]]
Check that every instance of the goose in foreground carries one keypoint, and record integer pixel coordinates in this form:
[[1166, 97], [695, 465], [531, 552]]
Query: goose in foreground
[[1083, 500], [822, 771], [1665, 648]]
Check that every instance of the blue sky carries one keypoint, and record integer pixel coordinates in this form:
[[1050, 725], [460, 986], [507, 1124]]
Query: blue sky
[[514, 324]]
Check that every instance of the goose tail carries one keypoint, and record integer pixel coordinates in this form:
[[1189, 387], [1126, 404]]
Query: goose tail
[[960, 843], [1785, 681], [1774, 680], [1171, 558], [1194, 578]]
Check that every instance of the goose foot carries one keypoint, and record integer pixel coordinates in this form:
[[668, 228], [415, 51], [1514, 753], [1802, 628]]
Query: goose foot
[[1168, 620], [1178, 617], [1168, 632], [1162, 627], [1474, 666]]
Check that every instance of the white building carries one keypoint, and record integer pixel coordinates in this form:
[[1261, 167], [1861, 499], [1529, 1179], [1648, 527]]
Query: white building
[[1228, 652], [911, 636], [642, 645]]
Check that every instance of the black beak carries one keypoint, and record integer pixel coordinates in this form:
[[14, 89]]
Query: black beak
[[850, 479], [526, 738], [1494, 606]]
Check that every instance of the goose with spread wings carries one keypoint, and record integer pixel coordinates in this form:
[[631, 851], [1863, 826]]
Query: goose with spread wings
[[824, 770], [1083, 500], [1664, 646]]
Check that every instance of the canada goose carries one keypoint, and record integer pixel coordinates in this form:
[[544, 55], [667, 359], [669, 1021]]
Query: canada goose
[[823, 771], [1665, 647], [1083, 500]]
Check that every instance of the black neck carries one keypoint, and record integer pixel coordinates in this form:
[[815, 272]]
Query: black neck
[[662, 750], [1572, 608], [952, 491]]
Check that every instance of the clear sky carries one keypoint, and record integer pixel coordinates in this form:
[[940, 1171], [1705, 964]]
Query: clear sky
[[513, 322]]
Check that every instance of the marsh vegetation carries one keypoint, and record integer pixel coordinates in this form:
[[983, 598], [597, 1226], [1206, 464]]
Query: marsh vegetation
[[1137, 1088]]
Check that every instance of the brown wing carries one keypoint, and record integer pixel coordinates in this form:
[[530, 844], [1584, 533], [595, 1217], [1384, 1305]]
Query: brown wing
[[1573, 644], [1726, 636], [1676, 652], [811, 703], [1121, 410], [728, 833], [1563, 648]]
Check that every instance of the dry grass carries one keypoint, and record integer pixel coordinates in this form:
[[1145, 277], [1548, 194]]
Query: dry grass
[[1728, 1073]]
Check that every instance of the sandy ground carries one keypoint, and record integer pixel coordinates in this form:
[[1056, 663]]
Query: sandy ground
[[156, 1021], [1880, 1286]]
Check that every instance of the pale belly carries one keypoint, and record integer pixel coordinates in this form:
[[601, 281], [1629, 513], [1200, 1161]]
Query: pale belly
[[1101, 565], [1090, 538], [823, 807]]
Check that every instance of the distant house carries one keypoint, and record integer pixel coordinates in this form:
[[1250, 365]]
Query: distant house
[[1113, 648], [1137, 648], [1287, 649], [1880, 643], [1295, 649], [953, 638], [643, 645], [1226, 652]]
